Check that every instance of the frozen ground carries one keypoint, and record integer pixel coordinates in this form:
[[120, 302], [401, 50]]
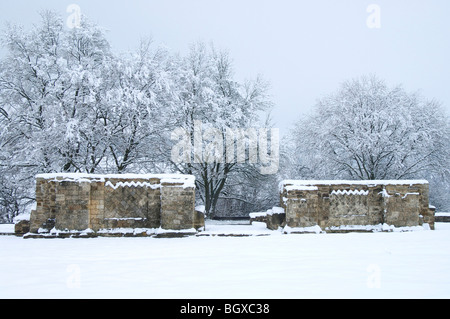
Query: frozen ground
[[356, 265]]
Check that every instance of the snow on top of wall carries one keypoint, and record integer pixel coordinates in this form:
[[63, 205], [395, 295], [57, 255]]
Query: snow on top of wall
[[131, 184], [200, 209], [272, 211], [256, 215], [187, 180], [301, 188], [350, 192], [301, 184]]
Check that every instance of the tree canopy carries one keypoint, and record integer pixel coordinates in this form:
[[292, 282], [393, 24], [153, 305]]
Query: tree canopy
[[368, 130]]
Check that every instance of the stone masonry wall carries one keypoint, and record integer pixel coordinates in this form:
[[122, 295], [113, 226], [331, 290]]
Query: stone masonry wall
[[77, 202], [339, 204], [174, 216]]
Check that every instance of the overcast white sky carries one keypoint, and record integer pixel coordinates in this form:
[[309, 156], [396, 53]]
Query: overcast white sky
[[304, 48]]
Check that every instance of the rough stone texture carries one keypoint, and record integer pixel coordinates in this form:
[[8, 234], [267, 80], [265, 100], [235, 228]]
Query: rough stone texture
[[45, 205], [178, 207], [72, 205], [199, 220], [97, 206], [346, 203], [22, 227], [275, 221], [144, 202], [74, 202], [302, 208]]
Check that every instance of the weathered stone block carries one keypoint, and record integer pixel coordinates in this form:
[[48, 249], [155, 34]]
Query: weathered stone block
[[275, 221], [22, 227]]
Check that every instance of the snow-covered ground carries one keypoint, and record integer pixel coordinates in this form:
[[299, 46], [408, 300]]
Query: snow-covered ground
[[355, 265]]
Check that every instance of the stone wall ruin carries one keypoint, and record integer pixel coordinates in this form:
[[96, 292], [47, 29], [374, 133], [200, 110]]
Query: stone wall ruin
[[114, 204], [83, 205], [336, 206]]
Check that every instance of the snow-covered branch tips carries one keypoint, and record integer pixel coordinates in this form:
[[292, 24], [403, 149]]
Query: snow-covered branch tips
[[206, 144]]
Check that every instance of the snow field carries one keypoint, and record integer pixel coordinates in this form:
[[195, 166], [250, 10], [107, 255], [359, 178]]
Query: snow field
[[354, 265]]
